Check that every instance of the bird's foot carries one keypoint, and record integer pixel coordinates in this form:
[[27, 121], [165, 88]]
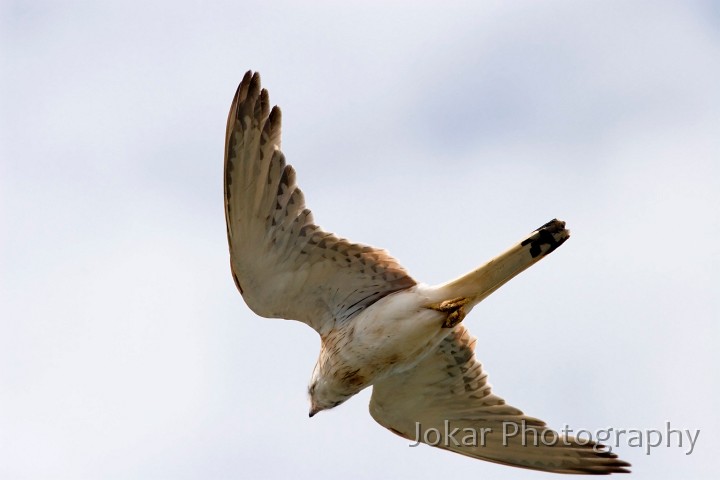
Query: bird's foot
[[454, 309]]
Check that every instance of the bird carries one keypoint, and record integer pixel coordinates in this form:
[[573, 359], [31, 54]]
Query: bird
[[378, 326]]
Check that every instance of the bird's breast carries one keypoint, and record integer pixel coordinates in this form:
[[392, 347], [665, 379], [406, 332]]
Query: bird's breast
[[388, 337]]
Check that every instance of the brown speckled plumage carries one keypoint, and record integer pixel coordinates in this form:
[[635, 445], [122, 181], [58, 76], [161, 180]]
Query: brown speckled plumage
[[377, 325], [270, 231]]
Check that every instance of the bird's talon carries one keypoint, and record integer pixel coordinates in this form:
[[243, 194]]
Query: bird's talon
[[454, 309]]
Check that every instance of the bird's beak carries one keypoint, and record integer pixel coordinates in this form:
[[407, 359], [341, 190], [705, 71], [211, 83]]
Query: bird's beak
[[313, 411]]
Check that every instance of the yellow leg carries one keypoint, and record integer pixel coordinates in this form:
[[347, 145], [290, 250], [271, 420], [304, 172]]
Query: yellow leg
[[454, 309]]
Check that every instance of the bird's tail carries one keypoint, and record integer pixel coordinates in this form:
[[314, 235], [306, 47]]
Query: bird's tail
[[473, 287]]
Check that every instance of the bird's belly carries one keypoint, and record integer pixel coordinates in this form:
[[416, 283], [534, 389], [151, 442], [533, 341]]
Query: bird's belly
[[391, 336]]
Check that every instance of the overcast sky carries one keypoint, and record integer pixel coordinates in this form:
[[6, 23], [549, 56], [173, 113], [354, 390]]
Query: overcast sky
[[441, 133]]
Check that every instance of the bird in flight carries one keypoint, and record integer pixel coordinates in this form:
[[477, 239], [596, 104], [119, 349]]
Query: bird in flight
[[379, 326]]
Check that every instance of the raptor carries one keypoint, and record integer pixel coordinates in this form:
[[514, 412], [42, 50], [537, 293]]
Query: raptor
[[378, 326]]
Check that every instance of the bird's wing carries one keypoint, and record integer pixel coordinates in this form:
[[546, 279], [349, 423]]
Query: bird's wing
[[284, 265], [448, 391]]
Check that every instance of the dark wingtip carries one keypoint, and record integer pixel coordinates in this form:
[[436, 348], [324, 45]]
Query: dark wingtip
[[275, 115], [254, 87], [246, 78]]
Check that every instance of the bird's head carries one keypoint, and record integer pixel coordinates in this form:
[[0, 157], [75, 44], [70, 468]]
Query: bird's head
[[323, 396], [324, 392]]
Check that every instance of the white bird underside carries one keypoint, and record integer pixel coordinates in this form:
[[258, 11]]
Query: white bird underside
[[378, 326]]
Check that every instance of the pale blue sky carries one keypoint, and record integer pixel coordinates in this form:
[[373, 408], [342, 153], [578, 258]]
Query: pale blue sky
[[443, 133]]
